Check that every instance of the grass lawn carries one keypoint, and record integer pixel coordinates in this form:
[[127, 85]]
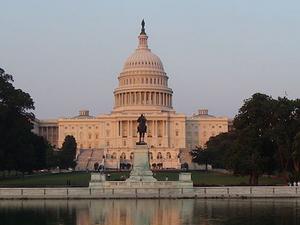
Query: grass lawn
[[48, 180], [82, 179]]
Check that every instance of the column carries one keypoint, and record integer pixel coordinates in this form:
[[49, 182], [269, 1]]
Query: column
[[159, 98], [134, 102], [140, 100], [128, 129], [153, 129]]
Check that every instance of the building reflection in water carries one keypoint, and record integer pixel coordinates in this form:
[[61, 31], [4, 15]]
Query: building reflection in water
[[150, 212]]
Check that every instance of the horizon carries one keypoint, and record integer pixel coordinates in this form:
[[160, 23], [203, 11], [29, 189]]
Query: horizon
[[68, 54]]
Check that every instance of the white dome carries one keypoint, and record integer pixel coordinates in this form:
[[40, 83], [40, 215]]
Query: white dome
[[143, 83], [143, 58]]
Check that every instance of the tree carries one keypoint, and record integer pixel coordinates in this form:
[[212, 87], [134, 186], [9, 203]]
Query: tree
[[253, 151], [68, 153], [286, 126], [202, 156], [219, 148], [18, 149], [296, 152]]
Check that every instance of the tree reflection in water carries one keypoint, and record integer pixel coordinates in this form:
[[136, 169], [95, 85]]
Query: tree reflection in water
[[150, 212]]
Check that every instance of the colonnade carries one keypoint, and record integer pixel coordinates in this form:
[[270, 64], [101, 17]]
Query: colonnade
[[143, 98], [156, 128]]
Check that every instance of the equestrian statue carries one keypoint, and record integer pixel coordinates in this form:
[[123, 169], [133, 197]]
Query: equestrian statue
[[142, 129]]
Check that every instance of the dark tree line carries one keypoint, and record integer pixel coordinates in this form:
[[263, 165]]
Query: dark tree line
[[265, 140], [21, 149]]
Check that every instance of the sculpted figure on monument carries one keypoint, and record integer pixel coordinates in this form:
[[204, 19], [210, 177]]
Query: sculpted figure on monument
[[142, 128]]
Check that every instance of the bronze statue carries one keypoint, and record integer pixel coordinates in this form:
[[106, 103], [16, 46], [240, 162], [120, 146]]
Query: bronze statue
[[142, 128], [143, 27]]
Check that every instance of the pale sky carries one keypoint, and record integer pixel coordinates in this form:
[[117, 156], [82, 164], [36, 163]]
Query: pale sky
[[67, 54]]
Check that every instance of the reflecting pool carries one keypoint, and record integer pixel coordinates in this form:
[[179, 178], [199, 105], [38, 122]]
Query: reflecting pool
[[150, 212]]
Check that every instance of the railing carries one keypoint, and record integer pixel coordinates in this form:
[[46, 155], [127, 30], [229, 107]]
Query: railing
[[152, 192]]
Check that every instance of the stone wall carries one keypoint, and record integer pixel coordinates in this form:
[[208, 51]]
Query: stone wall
[[196, 192]]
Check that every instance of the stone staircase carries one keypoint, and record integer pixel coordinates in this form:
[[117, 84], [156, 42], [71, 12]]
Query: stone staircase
[[87, 158]]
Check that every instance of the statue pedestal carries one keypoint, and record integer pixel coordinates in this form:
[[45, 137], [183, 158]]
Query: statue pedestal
[[141, 168]]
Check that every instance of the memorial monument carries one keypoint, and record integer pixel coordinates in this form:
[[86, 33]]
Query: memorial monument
[[141, 163], [141, 175]]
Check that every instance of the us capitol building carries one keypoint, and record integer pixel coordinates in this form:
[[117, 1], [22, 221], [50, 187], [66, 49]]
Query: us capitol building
[[109, 138]]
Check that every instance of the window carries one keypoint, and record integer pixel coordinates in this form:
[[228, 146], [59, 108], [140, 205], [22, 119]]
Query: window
[[159, 155], [177, 133], [168, 155], [131, 155], [123, 155]]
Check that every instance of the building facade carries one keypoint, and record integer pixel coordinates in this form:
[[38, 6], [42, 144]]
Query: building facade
[[143, 88]]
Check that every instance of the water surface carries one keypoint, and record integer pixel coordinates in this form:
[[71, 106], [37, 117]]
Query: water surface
[[150, 212]]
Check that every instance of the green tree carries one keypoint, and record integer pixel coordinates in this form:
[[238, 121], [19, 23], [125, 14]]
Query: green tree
[[15, 125], [296, 152], [202, 156], [286, 126], [220, 147], [68, 153], [20, 149], [253, 150]]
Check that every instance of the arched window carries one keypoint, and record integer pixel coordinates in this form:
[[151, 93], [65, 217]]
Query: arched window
[[131, 155], [123, 155], [168, 155], [114, 155], [159, 155], [150, 155]]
